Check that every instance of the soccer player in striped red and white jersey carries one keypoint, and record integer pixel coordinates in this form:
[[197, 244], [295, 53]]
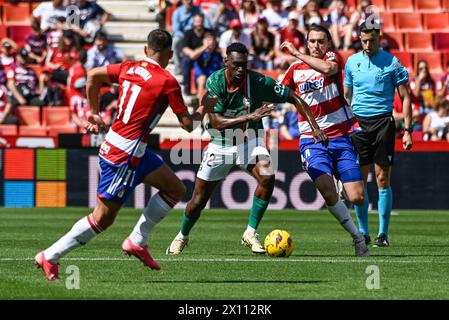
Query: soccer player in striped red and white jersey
[[317, 79], [146, 90]]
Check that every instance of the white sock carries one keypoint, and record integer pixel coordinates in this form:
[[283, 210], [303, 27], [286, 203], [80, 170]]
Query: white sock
[[341, 213], [183, 237], [155, 211], [250, 229], [81, 233]]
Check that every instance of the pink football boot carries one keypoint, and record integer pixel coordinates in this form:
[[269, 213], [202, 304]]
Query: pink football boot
[[140, 253], [50, 269]]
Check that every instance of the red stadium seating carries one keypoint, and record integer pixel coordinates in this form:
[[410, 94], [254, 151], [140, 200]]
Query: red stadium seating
[[29, 116], [405, 58], [428, 5], [16, 13], [388, 24], [400, 5], [433, 59], [436, 21], [395, 40], [408, 22], [57, 120], [442, 41], [19, 33], [380, 4], [445, 60], [32, 131], [3, 33], [8, 129], [418, 42]]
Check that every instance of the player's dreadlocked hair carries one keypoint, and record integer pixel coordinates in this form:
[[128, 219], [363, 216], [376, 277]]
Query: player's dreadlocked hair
[[159, 40], [236, 47]]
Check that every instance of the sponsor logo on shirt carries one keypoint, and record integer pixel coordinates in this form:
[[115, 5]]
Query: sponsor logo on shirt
[[311, 85]]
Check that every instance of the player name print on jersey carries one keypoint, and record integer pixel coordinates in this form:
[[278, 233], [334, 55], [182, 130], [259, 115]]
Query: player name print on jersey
[[140, 71]]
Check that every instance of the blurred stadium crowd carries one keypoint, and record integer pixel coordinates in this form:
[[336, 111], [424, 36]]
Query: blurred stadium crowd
[[45, 64]]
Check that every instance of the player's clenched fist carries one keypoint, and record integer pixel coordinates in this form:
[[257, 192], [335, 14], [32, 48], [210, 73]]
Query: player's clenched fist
[[209, 102]]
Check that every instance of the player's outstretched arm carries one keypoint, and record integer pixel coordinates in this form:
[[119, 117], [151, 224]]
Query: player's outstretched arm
[[304, 110], [221, 122], [95, 77]]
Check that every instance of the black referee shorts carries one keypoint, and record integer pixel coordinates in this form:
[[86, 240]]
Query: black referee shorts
[[375, 144]]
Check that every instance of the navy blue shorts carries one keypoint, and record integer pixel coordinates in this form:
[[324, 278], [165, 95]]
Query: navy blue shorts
[[339, 158], [118, 182]]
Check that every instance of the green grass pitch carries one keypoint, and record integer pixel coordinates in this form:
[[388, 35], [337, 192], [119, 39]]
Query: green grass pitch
[[216, 266]]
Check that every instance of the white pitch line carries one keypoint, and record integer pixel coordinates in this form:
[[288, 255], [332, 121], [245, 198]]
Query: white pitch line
[[280, 260]]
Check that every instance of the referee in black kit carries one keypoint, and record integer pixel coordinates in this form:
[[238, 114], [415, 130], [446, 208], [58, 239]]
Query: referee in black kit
[[371, 78]]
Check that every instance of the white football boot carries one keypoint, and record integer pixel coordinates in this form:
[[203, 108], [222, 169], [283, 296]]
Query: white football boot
[[177, 245], [251, 240]]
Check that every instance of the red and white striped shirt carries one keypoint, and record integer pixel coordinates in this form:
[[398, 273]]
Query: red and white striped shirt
[[324, 95], [146, 90]]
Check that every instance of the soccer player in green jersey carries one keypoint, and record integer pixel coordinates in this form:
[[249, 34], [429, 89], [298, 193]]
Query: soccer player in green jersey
[[237, 139]]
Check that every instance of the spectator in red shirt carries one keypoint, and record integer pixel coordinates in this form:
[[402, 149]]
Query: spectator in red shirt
[[61, 59], [291, 34], [443, 84], [78, 104], [77, 71]]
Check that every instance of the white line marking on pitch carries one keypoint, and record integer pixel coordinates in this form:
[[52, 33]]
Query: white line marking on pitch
[[280, 260]]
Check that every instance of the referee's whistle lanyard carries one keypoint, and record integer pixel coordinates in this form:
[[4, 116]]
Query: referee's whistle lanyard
[[369, 59]]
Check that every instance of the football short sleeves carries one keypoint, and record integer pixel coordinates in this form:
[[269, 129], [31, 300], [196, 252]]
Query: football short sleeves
[[272, 91], [113, 71], [173, 92], [348, 74], [213, 90], [287, 79], [400, 74]]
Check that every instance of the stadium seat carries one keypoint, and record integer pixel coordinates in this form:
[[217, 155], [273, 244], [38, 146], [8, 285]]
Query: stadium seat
[[16, 13], [395, 40], [445, 59], [400, 5], [418, 42], [405, 58], [58, 120], [380, 4], [19, 33], [442, 41], [32, 131], [433, 60], [8, 130], [54, 131], [29, 116], [56, 116], [428, 5], [436, 22], [408, 22], [3, 33], [388, 24]]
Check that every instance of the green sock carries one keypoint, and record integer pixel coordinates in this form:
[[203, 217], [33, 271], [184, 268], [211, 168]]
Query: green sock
[[187, 224], [257, 210]]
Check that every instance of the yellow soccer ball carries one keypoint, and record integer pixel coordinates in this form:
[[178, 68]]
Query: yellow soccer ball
[[279, 243]]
